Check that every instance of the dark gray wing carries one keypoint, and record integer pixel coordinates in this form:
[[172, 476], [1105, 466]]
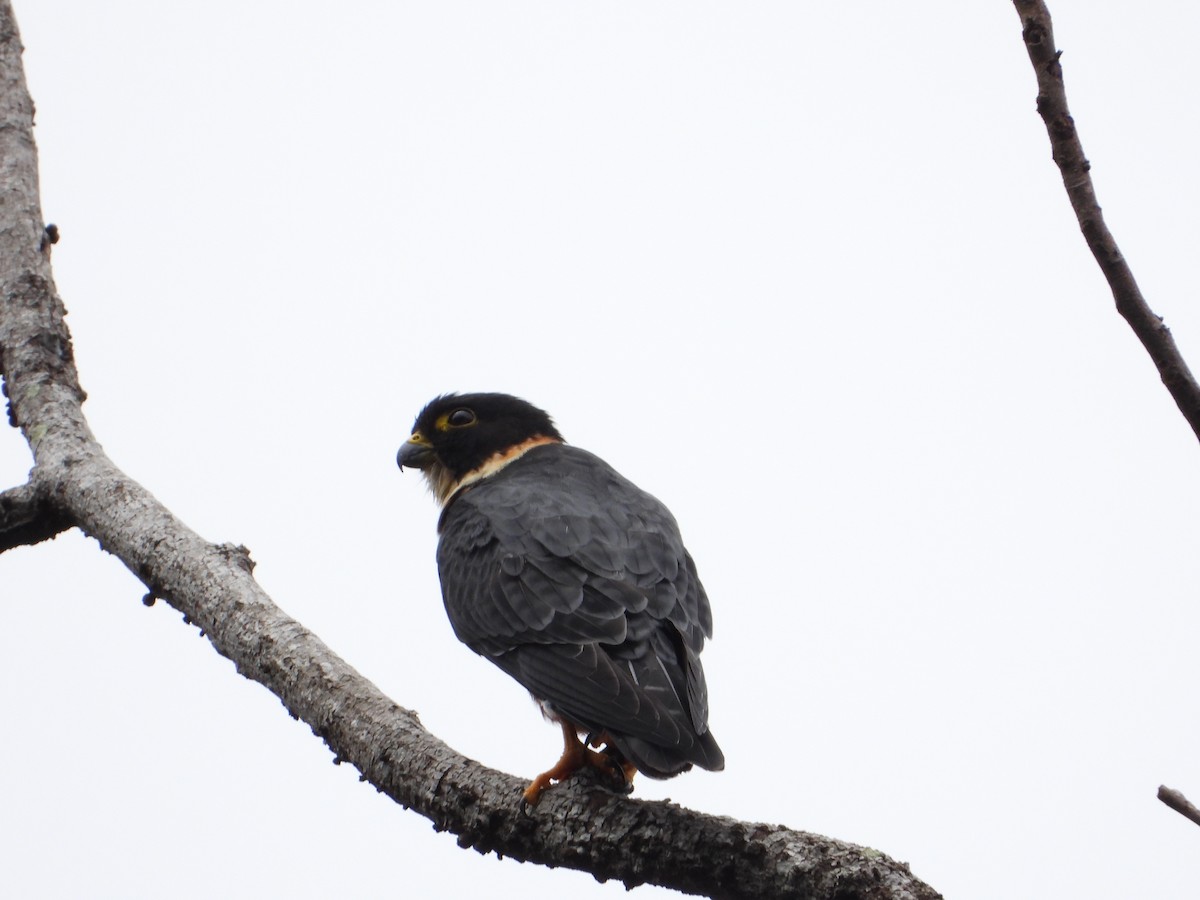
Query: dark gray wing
[[576, 583]]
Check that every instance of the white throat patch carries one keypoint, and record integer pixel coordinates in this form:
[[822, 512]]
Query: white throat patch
[[444, 487]]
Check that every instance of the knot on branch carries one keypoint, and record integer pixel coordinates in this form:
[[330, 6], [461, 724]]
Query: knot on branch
[[8, 407], [239, 555], [1062, 127], [49, 236], [1034, 33]]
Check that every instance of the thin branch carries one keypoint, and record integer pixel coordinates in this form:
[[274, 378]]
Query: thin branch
[[1179, 803], [26, 518], [1068, 154], [578, 826]]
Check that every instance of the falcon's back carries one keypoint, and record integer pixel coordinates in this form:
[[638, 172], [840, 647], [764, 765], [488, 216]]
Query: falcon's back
[[576, 582]]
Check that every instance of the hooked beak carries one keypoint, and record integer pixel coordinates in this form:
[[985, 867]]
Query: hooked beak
[[416, 453]]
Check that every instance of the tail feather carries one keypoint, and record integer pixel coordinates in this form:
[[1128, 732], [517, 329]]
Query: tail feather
[[664, 762]]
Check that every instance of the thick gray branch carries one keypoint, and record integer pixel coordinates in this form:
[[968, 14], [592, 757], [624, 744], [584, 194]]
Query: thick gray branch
[[1068, 154], [577, 826]]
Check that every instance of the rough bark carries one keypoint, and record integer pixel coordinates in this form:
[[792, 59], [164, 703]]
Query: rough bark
[[580, 826], [1038, 33]]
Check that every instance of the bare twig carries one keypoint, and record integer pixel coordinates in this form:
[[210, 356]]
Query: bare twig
[[1068, 154], [1179, 803], [25, 518], [577, 826]]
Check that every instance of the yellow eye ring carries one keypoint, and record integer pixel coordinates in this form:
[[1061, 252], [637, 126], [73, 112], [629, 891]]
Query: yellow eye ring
[[459, 418]]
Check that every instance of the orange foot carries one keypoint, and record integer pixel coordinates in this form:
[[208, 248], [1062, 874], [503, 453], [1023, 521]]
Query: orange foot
[[576, 755]]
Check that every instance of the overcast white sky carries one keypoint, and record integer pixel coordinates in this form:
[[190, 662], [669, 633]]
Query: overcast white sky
[[803, 270]]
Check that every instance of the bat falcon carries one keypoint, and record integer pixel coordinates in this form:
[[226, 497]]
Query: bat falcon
[[573, 581]]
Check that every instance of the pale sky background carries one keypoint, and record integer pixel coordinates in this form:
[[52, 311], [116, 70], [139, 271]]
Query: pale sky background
[[803, 270]]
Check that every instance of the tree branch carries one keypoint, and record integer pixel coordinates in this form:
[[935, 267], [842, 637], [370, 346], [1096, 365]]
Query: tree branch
[[25, 518], [1179, 803], [577, 826], [1068, 154]]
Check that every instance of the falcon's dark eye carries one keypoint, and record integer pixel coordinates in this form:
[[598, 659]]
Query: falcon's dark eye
[[460, 418]]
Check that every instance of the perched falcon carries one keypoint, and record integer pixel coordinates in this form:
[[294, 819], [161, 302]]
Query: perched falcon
[[573, 581]]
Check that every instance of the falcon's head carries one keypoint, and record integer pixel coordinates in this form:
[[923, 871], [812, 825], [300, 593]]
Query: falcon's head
[[460, 438]]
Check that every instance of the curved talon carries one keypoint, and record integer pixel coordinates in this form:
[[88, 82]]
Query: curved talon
[[620, 766], [577, 755]]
